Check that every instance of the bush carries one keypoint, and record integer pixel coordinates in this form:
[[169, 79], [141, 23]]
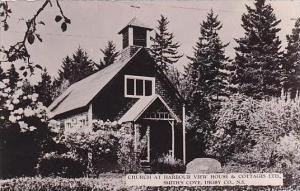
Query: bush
[[106, 147], [167, 164], [20, 151], [291, 176], [245, 124], [128, 159], [104, 183], [259, 136], [64, 165], [89, 147]]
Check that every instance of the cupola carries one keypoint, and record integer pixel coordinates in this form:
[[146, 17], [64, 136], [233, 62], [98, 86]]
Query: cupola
[[136, 33]]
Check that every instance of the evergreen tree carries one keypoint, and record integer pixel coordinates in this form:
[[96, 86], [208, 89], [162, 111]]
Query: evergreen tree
[[77, 67], [292, 64], [163, 49], [66, 69], [258, 61], [73, 69], [206, 83], [207, 73], [109, 55], [13, 76], [176, 78], [44, 88], [59, 85]]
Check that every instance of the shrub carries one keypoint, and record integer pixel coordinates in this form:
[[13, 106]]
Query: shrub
[[89, 147], [103, 183], [64, 165], [23, 126], [167, 164], [106, 146], [128, 159], [245, 124], [259, 136]]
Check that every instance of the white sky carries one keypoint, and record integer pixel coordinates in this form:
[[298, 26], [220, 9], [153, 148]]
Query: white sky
[[96, 22]]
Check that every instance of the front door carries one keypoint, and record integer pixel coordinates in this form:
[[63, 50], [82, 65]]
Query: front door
[[160, 139]]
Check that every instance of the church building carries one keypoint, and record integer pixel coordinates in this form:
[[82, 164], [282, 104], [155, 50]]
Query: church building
[[131, 90]]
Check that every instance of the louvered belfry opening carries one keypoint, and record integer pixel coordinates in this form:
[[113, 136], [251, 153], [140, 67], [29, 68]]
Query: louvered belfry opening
[[139, 37]]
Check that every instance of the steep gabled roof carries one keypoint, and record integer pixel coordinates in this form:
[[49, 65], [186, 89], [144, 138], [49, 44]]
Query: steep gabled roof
[[136, 23], [82, 92], [141, 106]]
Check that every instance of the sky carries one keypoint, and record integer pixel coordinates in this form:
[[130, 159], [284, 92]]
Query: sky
[[93, 23]]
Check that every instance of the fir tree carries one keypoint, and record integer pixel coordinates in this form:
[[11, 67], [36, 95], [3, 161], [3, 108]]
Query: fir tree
[[257, 67], [207, 73], [13, 76], [73, 69], [109, 55], [77, 67], [59, 85], [44, 88], [163, 49], [176, 78], [292, 64], [206, 82]]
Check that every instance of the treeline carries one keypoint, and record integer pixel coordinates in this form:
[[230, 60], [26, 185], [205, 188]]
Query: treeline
[[73, 69], [261, 68]]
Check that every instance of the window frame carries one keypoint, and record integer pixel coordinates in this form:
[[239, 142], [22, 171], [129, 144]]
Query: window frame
[[68, 124], [134, 78]]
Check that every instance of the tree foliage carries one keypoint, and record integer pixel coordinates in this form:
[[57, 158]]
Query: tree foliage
[[109, 55], [73, 69], [19, 50], [164, 49], [206, 79], [100, 147], [23, 119], [45, 88], [207, 73], [258, 61], [177, 79], [23, 116], [292, 64], [248, 128], [13, 76]]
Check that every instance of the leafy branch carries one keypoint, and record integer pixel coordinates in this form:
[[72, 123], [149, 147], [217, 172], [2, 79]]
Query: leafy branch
[[19, 50]]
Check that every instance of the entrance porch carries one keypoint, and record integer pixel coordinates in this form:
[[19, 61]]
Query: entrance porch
[[157, 129], [156, 137]]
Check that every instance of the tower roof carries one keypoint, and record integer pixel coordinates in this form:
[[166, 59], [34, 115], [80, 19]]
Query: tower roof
[[136, 23]]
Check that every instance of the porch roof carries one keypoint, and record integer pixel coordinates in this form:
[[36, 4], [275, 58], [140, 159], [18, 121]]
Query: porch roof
[[135, 112]]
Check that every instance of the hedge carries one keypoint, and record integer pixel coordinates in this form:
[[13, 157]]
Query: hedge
[[104, 183]]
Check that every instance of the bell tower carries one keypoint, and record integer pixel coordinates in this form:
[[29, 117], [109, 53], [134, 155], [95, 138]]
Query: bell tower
[[136, 33]]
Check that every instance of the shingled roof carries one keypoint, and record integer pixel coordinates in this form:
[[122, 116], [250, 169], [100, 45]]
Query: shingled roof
[[136, 23], [82, 92]]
